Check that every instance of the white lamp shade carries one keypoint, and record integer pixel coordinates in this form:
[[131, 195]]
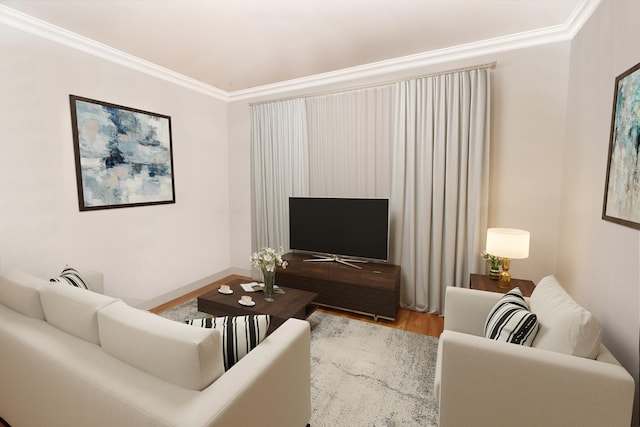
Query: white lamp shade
[[508, 243]]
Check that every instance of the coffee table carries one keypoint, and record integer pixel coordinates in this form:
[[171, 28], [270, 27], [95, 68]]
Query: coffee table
[[293, 303]]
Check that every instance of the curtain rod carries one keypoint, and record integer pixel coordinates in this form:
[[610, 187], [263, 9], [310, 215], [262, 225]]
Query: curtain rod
[[489, 65]]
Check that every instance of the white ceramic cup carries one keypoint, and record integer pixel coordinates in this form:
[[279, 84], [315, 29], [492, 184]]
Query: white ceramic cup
[[246, 298], [225, 288]]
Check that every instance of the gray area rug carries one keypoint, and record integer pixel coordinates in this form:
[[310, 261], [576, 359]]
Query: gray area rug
[[185, 311], [363, 374]]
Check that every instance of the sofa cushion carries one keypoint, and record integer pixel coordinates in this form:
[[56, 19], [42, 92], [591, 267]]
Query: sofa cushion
[[19, 292], [74, 310], [511, 321], [180, 354], [71, 276], [565, 326], [240, 334]]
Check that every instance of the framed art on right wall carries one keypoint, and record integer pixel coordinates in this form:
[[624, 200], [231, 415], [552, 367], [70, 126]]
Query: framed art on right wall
[[622, 186]]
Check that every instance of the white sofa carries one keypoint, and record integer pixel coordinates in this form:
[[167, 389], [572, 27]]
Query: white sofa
[[73, 357], [482, 382]]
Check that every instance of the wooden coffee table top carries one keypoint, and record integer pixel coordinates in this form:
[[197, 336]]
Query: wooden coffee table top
[[293, 303]]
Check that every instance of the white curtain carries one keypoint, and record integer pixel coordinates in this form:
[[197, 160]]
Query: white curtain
[[350, 138], [279, 169], [439, 190]]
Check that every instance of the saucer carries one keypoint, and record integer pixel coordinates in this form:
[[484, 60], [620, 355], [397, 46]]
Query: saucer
[[247, 304], [229, 292]]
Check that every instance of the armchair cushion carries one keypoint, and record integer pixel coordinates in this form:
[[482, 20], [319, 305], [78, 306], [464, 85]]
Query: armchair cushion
[[565, 326], [511, 321], [466, 310]]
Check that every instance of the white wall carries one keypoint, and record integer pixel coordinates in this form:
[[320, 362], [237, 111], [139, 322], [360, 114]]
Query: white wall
[[598, 260], [240, 184], [527, 133], [144, 251]]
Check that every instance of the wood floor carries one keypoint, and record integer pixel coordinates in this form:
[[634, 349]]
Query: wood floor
[[407, 320]]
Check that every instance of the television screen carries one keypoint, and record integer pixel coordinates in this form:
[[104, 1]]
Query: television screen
[[343, 227]]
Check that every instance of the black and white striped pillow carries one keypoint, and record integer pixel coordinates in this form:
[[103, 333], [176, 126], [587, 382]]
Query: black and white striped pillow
[[511, 321], [70, 276], [240, 334]]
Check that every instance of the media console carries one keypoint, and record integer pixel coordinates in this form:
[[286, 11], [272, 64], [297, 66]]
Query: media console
[[373, 290]]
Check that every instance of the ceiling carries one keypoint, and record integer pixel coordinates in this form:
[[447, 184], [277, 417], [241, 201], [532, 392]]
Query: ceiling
[[239, 44]]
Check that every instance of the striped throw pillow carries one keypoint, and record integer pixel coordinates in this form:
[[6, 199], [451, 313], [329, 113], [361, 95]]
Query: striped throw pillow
[[511, 321], [70, 276], [240, 334]]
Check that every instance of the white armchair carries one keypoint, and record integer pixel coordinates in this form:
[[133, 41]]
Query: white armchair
[[483, 382]]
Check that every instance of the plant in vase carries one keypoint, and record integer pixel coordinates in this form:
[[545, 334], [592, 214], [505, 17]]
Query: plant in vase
[[495, 263], [267, 260]]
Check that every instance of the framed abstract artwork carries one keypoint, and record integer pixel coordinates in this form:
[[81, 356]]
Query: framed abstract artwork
[[622, 186], [123, 155]]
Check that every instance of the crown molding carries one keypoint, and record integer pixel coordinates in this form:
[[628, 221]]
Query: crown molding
[[435, 57], [558, 33], [553, 34], [37, 27], [580, 16]]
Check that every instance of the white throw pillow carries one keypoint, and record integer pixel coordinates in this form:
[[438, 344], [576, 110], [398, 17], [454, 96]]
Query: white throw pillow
[[511, 321], [565, 326], [240, 334]]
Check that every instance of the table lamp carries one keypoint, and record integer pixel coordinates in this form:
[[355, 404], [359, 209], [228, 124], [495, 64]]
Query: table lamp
[[508, 244]]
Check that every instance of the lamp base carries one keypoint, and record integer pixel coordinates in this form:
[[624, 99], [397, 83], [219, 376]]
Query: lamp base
[[505, 276], [505, 280]]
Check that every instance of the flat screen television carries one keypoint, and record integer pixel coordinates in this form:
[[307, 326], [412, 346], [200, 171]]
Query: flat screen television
[[340, 227]]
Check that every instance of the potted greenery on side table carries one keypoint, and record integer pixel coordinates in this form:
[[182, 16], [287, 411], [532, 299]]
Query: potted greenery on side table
[[494, 265]]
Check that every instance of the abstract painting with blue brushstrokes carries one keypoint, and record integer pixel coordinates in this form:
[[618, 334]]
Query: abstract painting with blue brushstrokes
[[622, 187], [123, 155]]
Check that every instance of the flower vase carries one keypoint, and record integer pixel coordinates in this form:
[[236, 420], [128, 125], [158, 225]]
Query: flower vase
[[268, 278], [494, 272]]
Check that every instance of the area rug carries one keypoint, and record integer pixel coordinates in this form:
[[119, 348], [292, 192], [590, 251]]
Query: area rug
[[363, 374]]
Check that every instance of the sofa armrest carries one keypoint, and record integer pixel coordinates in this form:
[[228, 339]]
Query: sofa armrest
[[270, 386], [466, 310], [490, 383]]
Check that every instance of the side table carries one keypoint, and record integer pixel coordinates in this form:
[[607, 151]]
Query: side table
[[484, 283]]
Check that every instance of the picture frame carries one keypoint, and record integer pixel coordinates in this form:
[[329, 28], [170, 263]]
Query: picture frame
[[622, 185], [123, 156]]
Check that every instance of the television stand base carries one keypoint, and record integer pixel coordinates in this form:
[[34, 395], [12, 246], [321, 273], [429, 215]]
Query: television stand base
[[334, 258], [374, 316]]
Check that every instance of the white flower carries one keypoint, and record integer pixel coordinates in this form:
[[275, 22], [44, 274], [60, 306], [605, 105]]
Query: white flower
[[268, 259]]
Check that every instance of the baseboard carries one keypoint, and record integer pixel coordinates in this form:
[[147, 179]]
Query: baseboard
[[176, 293]]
